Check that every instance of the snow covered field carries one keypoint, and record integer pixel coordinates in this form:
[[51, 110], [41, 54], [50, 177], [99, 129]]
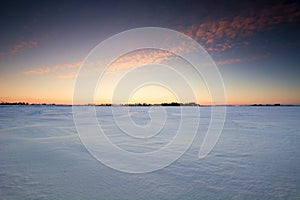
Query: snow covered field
[[257, 157]]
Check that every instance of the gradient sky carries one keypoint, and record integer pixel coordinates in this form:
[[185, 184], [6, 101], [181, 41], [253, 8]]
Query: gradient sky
[[255, 45]]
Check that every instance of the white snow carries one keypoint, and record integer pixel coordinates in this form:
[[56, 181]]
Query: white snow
[[257, 157]]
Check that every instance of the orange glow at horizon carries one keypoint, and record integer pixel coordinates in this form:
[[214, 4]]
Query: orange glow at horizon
[[149, 94], [232, 99], [55, 85]]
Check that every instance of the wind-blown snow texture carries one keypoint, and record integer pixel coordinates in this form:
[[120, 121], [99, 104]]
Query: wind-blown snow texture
[[257, 157]]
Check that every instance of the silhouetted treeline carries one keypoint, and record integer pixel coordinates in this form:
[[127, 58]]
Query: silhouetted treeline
[[276, 104], [147, 104], [105, 104], [32, 104], [14, 103]]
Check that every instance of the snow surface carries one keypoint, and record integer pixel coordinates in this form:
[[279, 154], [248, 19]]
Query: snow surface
[[257, 157]]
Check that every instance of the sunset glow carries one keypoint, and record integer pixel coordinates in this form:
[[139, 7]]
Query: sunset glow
[[255, 48]]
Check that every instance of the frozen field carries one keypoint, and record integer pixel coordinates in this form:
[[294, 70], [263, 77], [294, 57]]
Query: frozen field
[[257, 157]]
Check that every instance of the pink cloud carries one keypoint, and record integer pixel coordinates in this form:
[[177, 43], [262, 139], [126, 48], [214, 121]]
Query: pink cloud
[[150, 56], [245, 59], [138, 58], [22, 45], [42, 70], [58, 70], [218, 35]]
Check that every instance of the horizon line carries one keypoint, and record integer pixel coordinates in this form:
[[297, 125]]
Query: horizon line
[[145, 104]]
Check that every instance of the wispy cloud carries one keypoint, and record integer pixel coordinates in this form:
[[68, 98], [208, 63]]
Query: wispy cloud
[[242, 59], [67, 70], [221, 34], [19, 47], [138, 58], [216, 36], [22, 45]]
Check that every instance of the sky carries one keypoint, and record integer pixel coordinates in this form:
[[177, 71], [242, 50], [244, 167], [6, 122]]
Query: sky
[[254, 44]]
